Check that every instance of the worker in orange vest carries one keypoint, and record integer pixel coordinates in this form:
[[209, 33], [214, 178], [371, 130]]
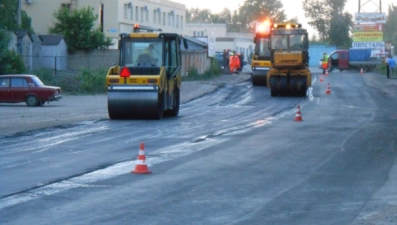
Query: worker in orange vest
[[234, 62]]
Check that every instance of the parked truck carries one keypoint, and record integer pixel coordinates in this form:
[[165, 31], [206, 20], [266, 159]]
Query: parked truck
[[353, 58]]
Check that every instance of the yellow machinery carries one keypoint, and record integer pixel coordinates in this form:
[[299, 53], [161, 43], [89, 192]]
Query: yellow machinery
[[289, 55], [260, 63], [147, 81]]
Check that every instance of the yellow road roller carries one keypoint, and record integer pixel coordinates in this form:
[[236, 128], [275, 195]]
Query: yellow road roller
[[147, 81]]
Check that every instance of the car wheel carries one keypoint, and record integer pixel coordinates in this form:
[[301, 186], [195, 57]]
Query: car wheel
[[32, 100]]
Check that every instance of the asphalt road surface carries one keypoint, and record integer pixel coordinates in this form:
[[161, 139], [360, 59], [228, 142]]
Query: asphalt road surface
[[233, 156]]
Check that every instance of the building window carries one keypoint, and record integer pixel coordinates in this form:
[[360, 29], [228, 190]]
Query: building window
[[202, 33], [154, 16], [136, 13], [159, 16], [125, 10], [131, 11], [181, 22], [147, 14], [67, 6], [142, 10], [164, 19], [194, 33], [177, 21]]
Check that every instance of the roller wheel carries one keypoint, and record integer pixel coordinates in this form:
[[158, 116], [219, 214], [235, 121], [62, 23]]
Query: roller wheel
[[175, 110], [160, 109], [32, 101]]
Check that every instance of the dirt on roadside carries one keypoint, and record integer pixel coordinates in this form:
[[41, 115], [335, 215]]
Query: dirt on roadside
[[16, 118]]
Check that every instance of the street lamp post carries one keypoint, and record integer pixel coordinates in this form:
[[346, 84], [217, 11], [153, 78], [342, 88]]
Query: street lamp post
[[19, 13]]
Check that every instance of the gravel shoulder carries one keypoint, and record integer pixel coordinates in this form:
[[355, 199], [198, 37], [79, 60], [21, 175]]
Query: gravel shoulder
[[17, 118]]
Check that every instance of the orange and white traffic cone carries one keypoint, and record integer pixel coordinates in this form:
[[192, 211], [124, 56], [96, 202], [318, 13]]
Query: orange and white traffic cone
[[298, 116], [328, 91], [361, 71], [321, 78], [326, 72], [140, 166]]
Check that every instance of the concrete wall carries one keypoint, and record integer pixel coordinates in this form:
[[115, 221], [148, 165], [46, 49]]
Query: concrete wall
[[201, 29], [97, 59]]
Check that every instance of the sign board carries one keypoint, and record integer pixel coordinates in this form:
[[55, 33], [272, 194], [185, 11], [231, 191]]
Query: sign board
[[211, 44], [112, 30], [375, 36], [373, 45], [376, 53], [371, 18], [367, 27]]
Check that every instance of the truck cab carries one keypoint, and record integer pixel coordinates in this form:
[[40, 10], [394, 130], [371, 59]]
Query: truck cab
[[339, 59]]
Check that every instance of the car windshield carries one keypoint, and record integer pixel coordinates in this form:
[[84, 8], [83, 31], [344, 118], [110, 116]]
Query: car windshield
[[263, 47], [144, 52], [37, 82]]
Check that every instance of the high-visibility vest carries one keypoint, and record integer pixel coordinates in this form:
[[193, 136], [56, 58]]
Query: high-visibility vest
[[325, 62]]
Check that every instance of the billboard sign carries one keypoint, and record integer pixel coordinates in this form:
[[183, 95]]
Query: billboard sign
[[373, 45], [376, 36], [367, 27], [371, 18]]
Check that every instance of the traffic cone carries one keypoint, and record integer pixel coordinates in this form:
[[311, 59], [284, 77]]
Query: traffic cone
[[328, 90], [140, 166], [361, 71], [321, 78], [298, 116], [326, 72]]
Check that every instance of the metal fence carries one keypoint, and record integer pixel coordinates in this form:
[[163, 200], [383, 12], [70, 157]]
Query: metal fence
[[104, 59]]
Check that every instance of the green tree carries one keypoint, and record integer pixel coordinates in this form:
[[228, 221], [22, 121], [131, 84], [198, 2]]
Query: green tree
[[390, 31], [196, 15], [77, 28], [10, 61], [328, 18], [259, 10]]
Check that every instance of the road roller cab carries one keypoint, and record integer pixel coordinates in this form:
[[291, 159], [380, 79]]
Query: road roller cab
[[289, 55], [147, 81]]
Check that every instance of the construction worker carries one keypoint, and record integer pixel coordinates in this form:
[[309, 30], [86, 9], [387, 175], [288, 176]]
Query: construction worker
[[226, 61], [149, 50], [325, 62], [234, 62], [391, 64]]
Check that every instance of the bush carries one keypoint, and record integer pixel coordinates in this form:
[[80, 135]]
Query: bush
[[11, 63], [83, 82]]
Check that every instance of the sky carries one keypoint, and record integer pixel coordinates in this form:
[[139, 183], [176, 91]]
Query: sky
[[293, 8]]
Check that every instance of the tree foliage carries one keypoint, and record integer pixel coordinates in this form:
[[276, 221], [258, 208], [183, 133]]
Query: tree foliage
[[77, 28], [242, 19], [10, 61], [390, 31], [328, 18]]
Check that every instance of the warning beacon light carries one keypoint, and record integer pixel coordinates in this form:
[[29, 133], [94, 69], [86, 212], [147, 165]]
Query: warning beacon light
[[262, 27]]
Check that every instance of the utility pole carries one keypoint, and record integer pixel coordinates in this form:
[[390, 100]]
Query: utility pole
[[366, 4], [19, 13]]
